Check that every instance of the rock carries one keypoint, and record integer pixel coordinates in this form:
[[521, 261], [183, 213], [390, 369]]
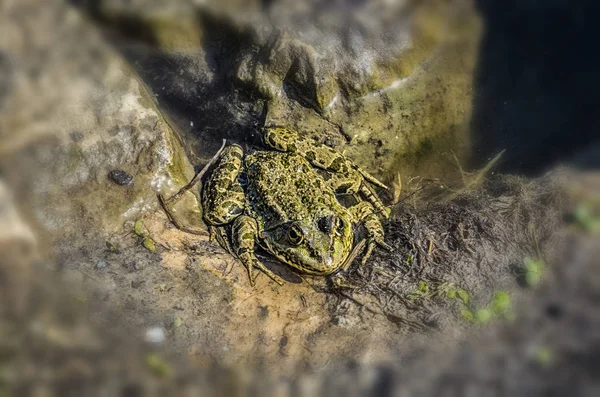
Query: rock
[[372, 77], [155, 335], [101, 265], [155, 108], [94, 118], [120, 177]]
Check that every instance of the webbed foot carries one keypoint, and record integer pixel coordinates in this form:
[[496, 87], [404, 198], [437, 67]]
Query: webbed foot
[[365, 213], [244, 233]]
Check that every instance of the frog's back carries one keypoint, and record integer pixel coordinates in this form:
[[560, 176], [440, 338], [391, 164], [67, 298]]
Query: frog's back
[[283, 187]]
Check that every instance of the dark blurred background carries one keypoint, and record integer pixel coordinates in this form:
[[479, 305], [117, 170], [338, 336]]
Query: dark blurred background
[[537, 85]]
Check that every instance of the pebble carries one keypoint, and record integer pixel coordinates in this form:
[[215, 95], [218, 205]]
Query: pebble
[[76, 136], [101, 265], [120, 177], [155, 335]]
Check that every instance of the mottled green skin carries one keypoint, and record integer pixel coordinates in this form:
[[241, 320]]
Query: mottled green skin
[[284, 190], [287, 207]]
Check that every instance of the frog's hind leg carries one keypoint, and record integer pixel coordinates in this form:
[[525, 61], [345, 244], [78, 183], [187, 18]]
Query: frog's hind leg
[[244, 233], [223, 196], [346, 176], [365, 213], [351, 182], [318, 154]]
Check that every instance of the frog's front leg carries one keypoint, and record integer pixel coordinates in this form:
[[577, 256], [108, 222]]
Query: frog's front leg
[[364, 213], [347, 177], [244, 234]]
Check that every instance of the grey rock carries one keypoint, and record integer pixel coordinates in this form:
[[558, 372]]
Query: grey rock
[[101, 265]]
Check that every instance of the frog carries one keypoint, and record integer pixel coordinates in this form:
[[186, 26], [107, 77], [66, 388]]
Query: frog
[[285, 201]]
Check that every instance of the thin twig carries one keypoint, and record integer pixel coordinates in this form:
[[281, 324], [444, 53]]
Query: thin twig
[[177, 196], [165, 203]]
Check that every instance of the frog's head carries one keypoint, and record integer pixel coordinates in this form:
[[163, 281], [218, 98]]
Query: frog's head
[[317, 246]]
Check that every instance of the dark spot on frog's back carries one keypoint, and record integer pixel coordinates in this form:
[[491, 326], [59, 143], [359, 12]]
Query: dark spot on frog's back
[[310, 156], [344, 187], [336, 164]]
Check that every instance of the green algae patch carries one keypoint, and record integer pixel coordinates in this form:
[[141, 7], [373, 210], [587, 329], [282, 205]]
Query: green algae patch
[[499, 307], [158, 366], [500, 303], [149, 244], [533, 271], [140, 229]]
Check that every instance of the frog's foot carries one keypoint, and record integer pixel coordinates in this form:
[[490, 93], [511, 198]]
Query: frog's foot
[[244, 234], [364, 212], [371, 243], [341, 280]]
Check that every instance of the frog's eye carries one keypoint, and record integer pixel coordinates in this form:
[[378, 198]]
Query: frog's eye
[[295, 235]]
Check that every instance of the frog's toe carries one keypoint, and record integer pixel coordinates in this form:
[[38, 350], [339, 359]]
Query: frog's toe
[[384, 245], [250, 262], [269, 273], [340, 280], [371, 243], [367, 255]]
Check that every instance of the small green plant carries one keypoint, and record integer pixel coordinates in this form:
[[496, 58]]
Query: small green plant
[[498, 307], [543, 355], [483, 316], [440, 290], [533, 271], [467, 315], [500, 303], [149, 244], [177, 322], [140, 229], [585, 219], [422, 291]]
